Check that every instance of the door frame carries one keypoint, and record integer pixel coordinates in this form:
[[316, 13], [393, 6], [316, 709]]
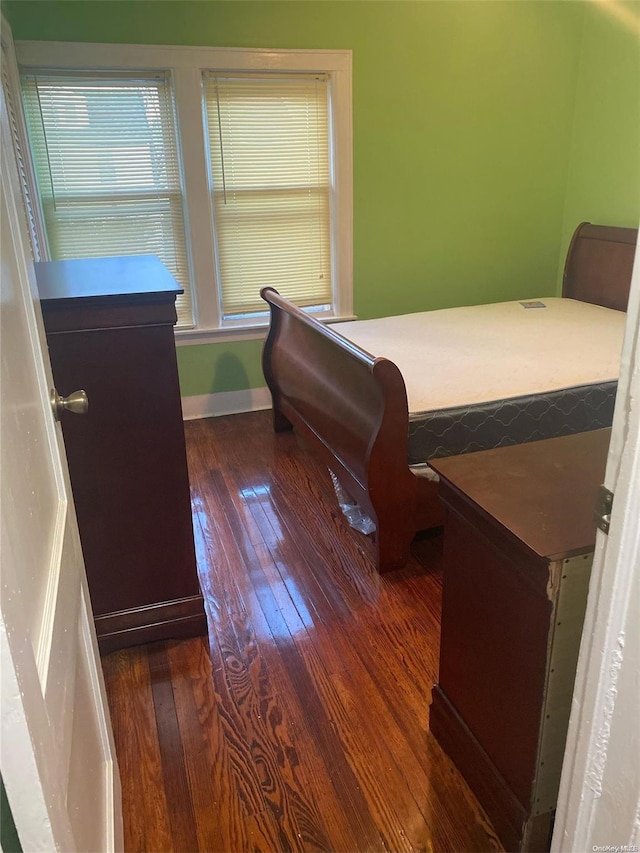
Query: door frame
[[599, 798]]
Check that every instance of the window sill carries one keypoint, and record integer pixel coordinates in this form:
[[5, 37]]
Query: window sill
[[195, 337]]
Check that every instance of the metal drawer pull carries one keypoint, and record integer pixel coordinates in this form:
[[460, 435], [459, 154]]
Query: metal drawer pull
[[78, 403]]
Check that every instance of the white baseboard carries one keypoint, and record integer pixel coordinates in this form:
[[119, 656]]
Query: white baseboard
[[225, 403]]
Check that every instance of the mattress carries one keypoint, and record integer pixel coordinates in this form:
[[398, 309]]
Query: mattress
[[489, 375]]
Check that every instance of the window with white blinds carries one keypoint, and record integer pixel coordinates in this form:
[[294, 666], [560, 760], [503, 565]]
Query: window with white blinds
[[233, 165], [269, 155], [106, 158]]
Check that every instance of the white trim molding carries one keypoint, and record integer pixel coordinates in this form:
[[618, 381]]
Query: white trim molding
[[197, 337], [225, 403]]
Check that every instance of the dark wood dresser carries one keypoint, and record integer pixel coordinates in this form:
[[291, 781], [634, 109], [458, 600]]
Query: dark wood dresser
[[518, 549], [109, 325]]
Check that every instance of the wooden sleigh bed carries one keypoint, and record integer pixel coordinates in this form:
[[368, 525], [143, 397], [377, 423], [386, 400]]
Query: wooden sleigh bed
[[351, 407]]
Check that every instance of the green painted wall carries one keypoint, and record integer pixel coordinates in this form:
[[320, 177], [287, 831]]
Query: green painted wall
[[9, 841], [463, 115], [604, 167], [209, 368]]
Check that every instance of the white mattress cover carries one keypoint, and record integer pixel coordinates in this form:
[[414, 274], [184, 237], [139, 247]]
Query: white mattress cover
[[483, 353]]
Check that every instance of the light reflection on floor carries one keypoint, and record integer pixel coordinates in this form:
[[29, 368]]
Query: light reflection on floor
[[260, 495], [296, 616]]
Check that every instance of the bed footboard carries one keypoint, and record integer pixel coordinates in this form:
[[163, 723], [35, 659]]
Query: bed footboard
[[352, 409]]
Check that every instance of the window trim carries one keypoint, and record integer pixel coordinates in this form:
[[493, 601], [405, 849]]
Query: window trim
[[185, 65]]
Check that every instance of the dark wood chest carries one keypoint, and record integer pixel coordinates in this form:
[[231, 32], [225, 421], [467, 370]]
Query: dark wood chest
[[518, 549], [109, 325]]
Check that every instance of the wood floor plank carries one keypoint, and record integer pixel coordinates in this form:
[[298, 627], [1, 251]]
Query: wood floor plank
[[387, 799], [395, 623], [196, 712], [347, 788], [403, 635], [423, 701], [322, 806], [144, 800], [301, 724], [366, 759]]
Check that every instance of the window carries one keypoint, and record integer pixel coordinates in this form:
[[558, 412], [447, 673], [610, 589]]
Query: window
[[234, 166], [104, 149], [271, 188]]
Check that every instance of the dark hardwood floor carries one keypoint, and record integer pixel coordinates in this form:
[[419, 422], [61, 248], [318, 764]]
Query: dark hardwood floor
[[301, 722]]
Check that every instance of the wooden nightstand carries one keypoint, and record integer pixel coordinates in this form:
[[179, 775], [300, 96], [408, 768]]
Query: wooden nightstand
[[518, 549], [109, 325]]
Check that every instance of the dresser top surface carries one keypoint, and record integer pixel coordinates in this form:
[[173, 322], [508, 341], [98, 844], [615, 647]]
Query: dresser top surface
[[108, 278], [544, 492]]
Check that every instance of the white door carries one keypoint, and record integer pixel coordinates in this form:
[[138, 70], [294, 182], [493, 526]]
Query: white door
[[599, 800], [57, 756]]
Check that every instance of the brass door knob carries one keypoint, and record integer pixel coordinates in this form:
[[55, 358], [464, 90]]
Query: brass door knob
[[78, 403]]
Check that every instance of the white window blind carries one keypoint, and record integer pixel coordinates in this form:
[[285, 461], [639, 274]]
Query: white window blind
[[269, 154], [105, 153]]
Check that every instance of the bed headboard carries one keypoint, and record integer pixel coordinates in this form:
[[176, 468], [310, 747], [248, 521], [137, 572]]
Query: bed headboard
[[599, 264]]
